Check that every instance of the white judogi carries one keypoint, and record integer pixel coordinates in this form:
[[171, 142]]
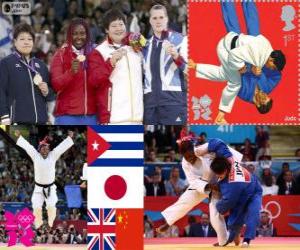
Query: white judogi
[[254, 50], [44, 170], [84, 176], [198, 176]]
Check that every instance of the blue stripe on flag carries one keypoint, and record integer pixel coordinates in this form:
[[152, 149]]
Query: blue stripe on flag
[[295, 226], [118, 162], [126, 145], [295, 215], [119, 129]]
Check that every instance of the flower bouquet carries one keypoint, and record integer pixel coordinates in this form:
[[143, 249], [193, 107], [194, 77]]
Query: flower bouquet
[[137, 41]]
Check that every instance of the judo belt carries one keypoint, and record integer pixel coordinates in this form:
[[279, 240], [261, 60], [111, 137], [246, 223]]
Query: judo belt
[[46, 188], [233, 42]]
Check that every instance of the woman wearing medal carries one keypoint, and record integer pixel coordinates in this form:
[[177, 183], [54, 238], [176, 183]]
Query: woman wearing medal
[[24, 89], [75, 103], [116, 71]]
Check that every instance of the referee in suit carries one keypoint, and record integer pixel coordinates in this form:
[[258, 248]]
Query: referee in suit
[[202, 229], [156, 187]]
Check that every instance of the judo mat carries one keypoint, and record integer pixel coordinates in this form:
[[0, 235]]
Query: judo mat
[[267, 243], [46, 247]]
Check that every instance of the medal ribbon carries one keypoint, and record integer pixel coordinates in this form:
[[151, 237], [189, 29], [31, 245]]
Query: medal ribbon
[[29, 66]]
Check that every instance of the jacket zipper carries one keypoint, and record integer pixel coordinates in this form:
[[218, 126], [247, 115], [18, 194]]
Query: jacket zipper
[[85, 94], [12, 111], [130, 89], [33, 97], [109, 99]]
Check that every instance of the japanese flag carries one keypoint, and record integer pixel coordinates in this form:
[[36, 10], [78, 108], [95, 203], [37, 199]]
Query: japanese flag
[[115, 187]]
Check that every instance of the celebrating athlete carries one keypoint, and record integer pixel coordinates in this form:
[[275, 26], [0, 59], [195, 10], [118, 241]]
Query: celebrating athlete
[[44, 162]]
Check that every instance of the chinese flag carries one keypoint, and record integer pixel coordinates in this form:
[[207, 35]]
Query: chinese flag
[[129, 229]]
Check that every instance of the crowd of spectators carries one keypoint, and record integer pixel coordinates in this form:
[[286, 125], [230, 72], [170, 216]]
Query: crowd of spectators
[[161, 140], [200, 226], [62, 233], [161, 149], [17, 180]]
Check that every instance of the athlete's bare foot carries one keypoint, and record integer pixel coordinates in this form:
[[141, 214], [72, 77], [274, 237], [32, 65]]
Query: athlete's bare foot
[[216, 244], [163, 228], [237, 240], [220, 119]]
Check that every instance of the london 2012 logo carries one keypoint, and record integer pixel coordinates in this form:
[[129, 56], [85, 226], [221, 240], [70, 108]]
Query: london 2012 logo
[[20, 225]]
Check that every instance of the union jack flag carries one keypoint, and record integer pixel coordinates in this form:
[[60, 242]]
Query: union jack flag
[[101, 229]]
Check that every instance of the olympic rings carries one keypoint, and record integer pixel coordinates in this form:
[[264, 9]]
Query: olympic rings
[[25, 218], [265, 208]]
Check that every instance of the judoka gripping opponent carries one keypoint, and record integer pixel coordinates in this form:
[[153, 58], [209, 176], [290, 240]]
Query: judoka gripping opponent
[[196, 166], [249, 64], [44, 162], [241, 195]]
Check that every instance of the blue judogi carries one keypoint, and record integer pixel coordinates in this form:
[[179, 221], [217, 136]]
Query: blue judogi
[[242, 196], [219, 147], [269, 79], [266, 82]]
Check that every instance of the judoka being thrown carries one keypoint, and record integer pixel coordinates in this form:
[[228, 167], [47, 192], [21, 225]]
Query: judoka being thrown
[[249, 64], [44, 162]]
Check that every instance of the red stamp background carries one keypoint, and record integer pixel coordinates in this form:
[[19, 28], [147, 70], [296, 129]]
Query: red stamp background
[[206, 28]]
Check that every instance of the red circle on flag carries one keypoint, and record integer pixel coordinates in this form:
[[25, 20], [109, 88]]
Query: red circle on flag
[[115, 187]]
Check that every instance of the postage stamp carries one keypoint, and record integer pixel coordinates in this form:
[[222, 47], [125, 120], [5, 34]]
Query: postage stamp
[[244, 62]]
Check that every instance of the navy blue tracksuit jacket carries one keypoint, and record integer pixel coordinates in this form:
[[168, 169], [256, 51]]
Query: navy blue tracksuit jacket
[[20, 99]]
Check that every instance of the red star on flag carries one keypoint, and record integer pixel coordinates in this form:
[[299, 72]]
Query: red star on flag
[[96, 145]]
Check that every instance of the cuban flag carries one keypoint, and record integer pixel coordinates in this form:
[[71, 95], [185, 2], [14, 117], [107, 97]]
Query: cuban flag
[[116, 145]]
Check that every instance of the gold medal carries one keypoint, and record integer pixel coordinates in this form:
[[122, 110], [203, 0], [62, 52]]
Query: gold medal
[[81, 58], [37, 79]]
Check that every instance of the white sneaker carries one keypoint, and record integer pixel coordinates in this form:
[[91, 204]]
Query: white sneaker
[[245, 245]]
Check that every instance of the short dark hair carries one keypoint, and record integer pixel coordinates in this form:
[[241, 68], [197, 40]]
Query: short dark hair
[[111, 16], [267, 180], [203, 134], [285, 164], [23, 27], [279, 59], [192, 219], [265, 108], [219, 165]]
